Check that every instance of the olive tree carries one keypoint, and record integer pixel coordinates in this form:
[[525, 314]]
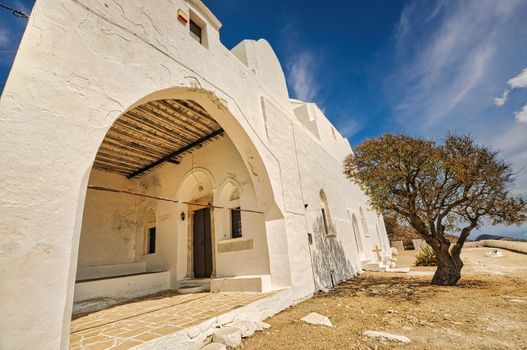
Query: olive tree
[[453, 187]]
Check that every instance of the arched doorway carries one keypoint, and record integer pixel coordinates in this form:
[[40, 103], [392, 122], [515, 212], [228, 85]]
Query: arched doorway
[[167, 155], [196, 191]]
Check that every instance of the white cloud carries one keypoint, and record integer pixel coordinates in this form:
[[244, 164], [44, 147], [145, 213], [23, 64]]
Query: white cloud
[[302, 76], [446, 72], [4, 37], [500, 101], [519, 81], [521, 116], [443, 63], [349, 126]]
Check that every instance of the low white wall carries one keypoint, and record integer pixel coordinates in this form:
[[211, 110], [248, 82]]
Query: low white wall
[[91, 272], [242, 284], [123, 287], [520, 247], [193, 338]]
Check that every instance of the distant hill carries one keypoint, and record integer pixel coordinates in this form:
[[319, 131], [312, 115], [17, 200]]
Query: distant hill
[[503, 238]]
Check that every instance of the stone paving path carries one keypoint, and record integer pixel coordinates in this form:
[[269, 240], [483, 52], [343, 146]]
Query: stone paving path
[[141, 320]]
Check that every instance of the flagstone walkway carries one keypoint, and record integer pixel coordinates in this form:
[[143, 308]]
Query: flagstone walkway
[[141, 320]]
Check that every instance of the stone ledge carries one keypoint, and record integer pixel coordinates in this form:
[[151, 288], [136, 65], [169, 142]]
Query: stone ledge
[[255, 283], [234, 245]]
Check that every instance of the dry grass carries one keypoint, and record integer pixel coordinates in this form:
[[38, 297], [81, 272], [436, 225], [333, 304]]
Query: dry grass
[[485, 311]]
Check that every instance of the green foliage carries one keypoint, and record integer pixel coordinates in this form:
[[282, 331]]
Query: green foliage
[[425, 257]]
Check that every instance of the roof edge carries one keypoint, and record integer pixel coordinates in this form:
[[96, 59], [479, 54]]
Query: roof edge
[[207, 13]]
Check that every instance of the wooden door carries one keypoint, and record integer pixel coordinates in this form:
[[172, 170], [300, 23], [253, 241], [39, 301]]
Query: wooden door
[[202, 244]]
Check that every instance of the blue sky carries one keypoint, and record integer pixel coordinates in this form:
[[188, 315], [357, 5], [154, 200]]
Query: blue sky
[[420, 67]]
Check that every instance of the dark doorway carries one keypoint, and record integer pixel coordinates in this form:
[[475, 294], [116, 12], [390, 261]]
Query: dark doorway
[[202, 244]]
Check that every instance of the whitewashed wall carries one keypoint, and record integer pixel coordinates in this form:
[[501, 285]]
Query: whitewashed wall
[[83, 63]]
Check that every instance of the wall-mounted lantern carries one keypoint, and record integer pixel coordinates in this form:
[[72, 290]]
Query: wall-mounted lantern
[[182, 216]]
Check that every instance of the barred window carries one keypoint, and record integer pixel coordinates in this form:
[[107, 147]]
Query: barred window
[[236, 223]]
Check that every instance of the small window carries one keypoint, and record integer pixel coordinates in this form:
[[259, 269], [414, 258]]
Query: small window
[[195, 31], [329, 229], [236, 223], [151, 241], [325, 220]]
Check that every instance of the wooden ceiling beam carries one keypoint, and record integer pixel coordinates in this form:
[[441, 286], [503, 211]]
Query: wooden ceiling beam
[[101, 162], [117, 160], [143, 128], [134, 161], [177, 112], [159, 127], [203, 120], [121, 138], [116, 147], [177, 153], [146, 135], [167, 118]]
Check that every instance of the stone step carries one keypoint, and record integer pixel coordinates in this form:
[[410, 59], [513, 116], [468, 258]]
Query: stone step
[[205, 281], [375, 266], [194, 286], [214, 346]]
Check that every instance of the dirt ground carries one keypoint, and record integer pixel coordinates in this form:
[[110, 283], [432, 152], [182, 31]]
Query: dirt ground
[[487, 310]]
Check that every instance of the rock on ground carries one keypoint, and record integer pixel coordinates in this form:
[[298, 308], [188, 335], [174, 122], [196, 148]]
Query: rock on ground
[[494, 253], [317, 319], [214, 346], [265, 325], [229, 336], [386, 336], [246, 327]]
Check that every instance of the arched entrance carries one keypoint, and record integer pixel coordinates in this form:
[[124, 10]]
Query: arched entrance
[[164, 158]]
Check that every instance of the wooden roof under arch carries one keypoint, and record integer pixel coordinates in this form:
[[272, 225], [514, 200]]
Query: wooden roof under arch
[[154, 133]]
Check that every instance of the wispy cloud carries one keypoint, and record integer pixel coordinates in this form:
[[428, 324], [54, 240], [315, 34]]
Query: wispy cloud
[[521, 116], [444, 60], [349, 126], [302, 69], [4, 37], [302, 64], [519, 81], [451, 60], [500, 101]]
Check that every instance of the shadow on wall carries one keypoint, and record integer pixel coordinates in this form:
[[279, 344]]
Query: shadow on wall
[[330, 265]]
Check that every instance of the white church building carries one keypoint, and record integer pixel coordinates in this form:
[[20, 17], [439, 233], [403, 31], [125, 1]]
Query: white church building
[[139, 154]]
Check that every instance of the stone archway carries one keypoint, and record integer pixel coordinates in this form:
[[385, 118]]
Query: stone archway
[[161, 130]]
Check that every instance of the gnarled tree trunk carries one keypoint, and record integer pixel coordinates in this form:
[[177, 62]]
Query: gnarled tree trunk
[[449, 266]]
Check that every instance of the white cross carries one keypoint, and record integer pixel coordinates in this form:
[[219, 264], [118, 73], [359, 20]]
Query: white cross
[[378, 251]]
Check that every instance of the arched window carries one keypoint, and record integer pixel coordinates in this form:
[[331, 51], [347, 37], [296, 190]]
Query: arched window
[[363, 222], [356, 233], [326, 215], [381, 242], [231, 218]]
